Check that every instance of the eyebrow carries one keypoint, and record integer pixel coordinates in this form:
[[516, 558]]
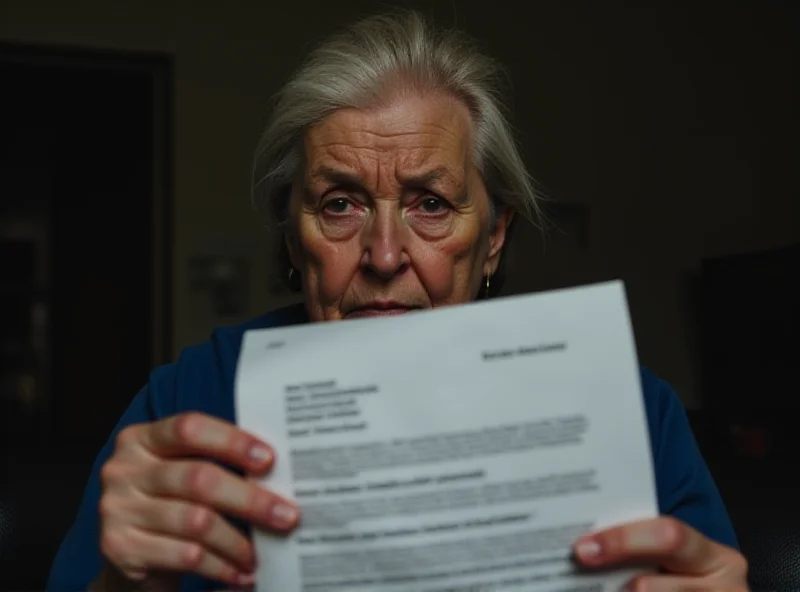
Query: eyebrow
[[429, 177], [339, 177], [335, 176]]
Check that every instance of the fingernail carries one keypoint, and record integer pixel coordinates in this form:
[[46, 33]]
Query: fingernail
[[246, 579], [261, 454], [283, 515], [588, 549]]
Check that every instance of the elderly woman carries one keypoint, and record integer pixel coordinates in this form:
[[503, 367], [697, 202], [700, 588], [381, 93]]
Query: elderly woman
[[395, 178]]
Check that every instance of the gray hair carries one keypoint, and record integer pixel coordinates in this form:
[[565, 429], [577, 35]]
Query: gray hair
[[357, 68]]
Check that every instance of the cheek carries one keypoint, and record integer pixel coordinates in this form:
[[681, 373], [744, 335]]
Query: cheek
[[450, 268], [329, 266]]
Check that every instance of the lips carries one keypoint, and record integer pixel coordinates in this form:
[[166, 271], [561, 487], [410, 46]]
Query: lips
[[379, 309]]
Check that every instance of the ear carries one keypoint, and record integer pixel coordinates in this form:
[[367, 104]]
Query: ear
[[290, 240], [290, 234], [497, 239]]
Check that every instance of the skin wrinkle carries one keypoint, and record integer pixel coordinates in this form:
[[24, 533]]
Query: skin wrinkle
[[437, 180], [387, 238]]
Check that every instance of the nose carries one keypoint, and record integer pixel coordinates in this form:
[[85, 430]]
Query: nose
[[385, 254]]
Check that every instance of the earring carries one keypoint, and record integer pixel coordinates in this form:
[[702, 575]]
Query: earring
[[295, 283], [486, 288]]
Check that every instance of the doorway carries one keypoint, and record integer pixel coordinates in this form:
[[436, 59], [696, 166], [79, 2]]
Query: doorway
[[85, 252]]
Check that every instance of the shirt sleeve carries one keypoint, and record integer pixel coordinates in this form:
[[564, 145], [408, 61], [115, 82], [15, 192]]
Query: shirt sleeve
[[78, 560], [686, 489]]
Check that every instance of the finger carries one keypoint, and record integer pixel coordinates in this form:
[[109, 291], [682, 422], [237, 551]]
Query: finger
[[194, 522], [198, 434], [671, 544], [140, 552], [662, 583], [210, 485]]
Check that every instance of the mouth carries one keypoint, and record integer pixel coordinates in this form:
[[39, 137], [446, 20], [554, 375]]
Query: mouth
[[379, 309]]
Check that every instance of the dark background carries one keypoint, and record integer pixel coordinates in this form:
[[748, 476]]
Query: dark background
[[662, 135]]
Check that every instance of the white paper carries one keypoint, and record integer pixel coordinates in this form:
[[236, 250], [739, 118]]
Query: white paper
[[464, 448]]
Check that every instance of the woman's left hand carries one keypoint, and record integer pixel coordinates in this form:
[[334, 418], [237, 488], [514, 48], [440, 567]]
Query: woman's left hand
[[688, 560]]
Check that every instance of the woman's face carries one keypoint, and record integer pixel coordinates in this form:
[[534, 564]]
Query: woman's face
[[392, 215]]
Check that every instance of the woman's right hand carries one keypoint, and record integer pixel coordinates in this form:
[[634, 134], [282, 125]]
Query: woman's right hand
[[163, 500]]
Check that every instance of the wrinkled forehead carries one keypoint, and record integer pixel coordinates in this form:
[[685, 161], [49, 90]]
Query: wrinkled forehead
[[411, 139]]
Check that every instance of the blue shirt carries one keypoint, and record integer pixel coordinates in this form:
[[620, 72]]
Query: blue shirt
[[202, 379]]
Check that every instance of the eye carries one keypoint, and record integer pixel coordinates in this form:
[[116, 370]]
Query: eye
[[433, 205], [337, 206]]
